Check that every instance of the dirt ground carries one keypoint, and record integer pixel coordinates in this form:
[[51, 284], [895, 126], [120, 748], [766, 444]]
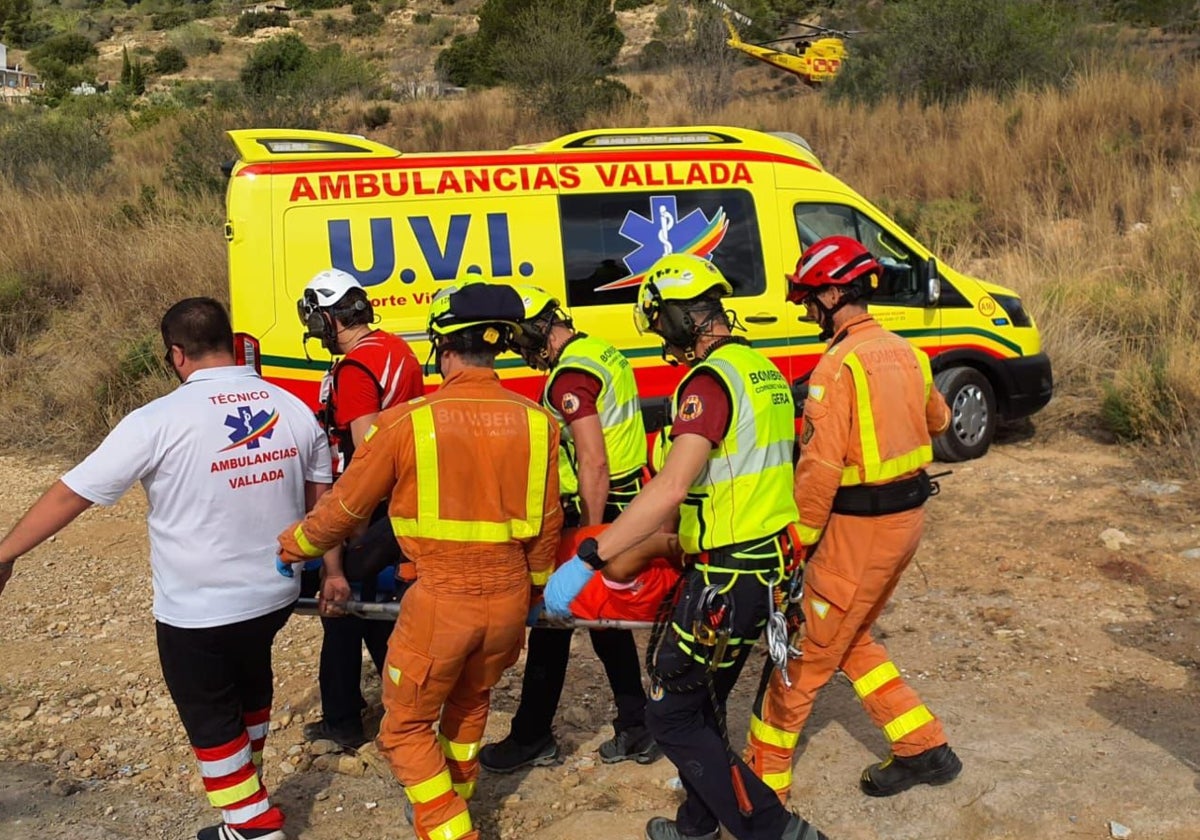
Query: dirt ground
[[1052, 620]]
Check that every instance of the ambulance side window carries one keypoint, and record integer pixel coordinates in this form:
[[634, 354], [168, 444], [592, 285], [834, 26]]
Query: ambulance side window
[[610, 239], [901, 283]]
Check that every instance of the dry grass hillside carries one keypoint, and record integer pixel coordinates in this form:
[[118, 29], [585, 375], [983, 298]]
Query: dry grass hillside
[[1086, 201]]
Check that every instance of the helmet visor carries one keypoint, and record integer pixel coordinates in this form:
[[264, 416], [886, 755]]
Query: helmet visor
[[641, 320]]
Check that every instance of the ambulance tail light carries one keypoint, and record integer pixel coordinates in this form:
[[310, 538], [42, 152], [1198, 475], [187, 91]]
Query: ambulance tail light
[[245, 351]]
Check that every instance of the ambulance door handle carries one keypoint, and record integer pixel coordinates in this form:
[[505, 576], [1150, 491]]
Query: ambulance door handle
[[762, 318]]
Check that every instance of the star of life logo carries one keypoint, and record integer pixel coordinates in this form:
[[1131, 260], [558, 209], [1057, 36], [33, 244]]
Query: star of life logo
[[250, 427], [663, 232]]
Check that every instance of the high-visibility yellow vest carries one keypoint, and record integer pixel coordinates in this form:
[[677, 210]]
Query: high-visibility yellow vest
[[618, 408], [744, 491], [429, 523]]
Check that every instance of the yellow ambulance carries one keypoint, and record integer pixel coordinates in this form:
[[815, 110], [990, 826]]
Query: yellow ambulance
[[584, 216]]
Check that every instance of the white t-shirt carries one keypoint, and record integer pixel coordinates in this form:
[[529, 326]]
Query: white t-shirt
[[224, 459]]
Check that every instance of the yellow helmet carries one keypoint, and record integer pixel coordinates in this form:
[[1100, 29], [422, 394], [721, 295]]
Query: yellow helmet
[[531, 339], [676, 278]]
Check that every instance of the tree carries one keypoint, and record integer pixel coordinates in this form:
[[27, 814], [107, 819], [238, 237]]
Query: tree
[[481, 59], [556, 57], [69, 48], [15, 19], [273, 63], [937, 51], [169, 59]]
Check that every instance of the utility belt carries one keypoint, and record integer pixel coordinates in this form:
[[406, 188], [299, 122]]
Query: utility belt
[[882, 499], [770, 559]]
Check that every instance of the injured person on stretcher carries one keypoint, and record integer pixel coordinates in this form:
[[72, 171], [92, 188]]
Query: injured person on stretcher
[[632, 585]]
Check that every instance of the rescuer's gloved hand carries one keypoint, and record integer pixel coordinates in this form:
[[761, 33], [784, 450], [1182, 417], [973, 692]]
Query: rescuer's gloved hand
[[567, 582], [284, 569]]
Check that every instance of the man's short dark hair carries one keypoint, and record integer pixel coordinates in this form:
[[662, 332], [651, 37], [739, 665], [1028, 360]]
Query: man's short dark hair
[[199, 325]]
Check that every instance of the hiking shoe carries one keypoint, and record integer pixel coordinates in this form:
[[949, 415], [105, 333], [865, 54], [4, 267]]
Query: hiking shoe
[[630, 744], [661, 828], [510, 755], [895, 775], [220, 831], [350, 737], [798, 828]]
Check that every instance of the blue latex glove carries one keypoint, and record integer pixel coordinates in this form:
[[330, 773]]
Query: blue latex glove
[[535, 612], [287, 571], [566, 583]]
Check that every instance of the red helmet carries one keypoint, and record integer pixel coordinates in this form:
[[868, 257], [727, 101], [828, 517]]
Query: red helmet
[[832, 261]]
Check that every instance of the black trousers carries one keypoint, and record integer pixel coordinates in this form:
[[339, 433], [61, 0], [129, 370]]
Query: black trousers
[[550, 650], [215, 674], [684, 724], [340, 672], [546, 672]]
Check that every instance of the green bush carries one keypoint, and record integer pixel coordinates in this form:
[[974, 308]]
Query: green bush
[[251, 22], [1165, 13], [169, 59], [556, 57], [626, 5], [654, 56], [505, 27], [171, 18], [359, 25], [273, 64], [361, 7], [315, 5], [69, 48], [195, 39], [937, 51], [49, 150], [286, 67], [377, 116], [422, 18], [436, 32]]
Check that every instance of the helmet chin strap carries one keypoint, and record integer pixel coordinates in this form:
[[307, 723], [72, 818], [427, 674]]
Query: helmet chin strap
[[825, 314]]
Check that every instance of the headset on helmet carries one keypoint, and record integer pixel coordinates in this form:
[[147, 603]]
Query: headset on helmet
[[324, 299], [531, 339], [670, 294]]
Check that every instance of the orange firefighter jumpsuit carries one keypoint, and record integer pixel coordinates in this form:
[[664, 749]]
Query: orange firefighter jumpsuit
[[870, 411], [472, 471]]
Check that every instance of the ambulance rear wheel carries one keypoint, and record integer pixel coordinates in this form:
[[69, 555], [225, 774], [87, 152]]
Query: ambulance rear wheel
[[973, 414]]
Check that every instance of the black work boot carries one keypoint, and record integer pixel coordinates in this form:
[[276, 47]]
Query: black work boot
[[349, 736], [798, 828], [661, 828], [896, 775], [635, 744], [510, 755]]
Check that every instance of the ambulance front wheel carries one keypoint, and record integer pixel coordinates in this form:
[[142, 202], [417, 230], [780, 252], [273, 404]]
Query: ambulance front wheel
[[973, 414]]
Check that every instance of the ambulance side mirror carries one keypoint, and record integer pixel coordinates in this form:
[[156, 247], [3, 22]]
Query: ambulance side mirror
[[933, 282]]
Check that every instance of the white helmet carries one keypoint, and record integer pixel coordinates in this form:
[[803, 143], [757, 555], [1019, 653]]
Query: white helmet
[[330, 286]]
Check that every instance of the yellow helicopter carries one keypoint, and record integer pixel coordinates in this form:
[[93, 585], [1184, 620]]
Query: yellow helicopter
[[818, 56]]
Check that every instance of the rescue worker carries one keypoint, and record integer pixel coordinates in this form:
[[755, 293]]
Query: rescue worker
[[376, 370], [472, 474], [727, 475], [591, 392], [860, 487], [226, 460]]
